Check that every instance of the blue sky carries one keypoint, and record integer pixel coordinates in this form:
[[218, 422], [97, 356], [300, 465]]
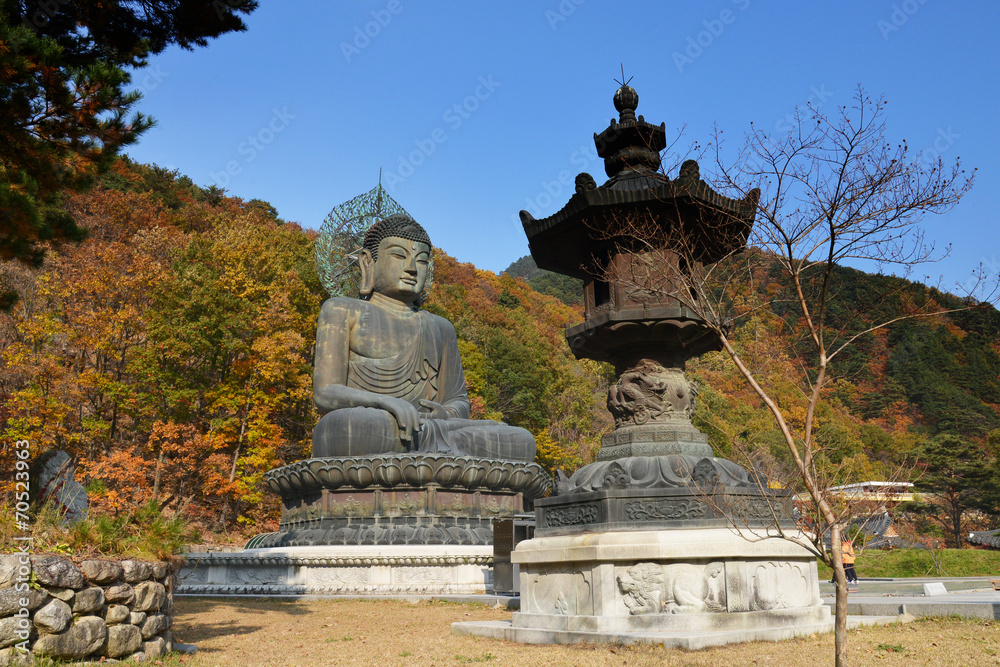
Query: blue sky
[[473, 110]]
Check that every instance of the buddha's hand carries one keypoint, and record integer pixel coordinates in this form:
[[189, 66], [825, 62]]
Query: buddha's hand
[[406, 416], [433, 410]]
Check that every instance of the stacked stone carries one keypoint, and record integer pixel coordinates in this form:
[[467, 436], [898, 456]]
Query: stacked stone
[[99, 609]]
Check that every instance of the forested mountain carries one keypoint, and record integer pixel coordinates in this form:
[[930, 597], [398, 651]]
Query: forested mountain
[[929, 376], [565, 288], [170, 354]]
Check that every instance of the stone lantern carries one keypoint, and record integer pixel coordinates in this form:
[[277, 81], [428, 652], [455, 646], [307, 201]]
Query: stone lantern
[[658, 540]]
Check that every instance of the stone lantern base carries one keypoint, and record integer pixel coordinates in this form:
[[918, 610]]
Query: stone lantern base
[[692, 588]]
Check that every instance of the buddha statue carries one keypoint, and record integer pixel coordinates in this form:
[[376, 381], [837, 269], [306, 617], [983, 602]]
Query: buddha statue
[[388, 375]]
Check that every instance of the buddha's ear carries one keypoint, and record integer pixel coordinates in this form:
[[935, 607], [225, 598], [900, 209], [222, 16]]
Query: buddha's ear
[[367, 264]]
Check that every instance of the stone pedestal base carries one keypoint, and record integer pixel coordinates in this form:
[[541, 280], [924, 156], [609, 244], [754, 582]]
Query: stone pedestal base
[[341, 570], [409, 499], [667, 581], [677, 437]]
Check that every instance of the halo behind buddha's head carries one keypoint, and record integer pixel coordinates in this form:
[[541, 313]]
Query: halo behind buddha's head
[[398, 225]]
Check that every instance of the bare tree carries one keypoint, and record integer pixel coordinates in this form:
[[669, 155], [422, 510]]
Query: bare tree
[[834, 191]]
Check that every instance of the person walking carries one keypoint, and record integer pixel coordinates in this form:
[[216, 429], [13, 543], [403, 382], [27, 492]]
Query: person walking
[[848, 557]]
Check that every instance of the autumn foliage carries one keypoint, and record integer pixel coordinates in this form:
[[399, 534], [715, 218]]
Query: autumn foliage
[[171, 355], [171, 352]]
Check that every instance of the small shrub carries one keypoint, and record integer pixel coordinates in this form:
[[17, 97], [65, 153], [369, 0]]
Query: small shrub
[[891, 648], [147, 534]]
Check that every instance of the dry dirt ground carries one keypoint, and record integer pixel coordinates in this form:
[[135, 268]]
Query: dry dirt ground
[[376, 632]]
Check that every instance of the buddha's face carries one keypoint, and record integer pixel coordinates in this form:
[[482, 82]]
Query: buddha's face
[[401, 268]]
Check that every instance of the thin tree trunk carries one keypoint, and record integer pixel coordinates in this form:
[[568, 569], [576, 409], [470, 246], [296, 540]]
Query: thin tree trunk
[[239, 446], [158, 473], [956, 524], [840, 617], [804, 464]]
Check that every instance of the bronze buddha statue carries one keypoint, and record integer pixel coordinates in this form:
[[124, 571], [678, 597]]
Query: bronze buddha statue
[[388, 375]]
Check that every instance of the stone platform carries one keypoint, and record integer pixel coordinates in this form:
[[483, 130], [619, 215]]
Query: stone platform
[[341, 570], [658, 583], [691, 641]]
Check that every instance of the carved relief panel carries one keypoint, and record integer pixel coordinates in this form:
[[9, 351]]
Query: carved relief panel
[[338, 576], [676, 588], [560, 592], [766, 585]]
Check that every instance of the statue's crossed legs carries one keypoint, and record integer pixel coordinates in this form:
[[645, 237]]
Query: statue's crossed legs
[[369, 431]]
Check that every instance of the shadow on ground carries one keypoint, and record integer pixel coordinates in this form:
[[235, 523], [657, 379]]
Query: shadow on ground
[[248, 611]]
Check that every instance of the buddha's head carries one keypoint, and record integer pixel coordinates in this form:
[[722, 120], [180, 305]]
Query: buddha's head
[[394, 260]]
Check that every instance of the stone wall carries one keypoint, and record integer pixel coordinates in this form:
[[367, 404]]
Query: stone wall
[[99, 608]]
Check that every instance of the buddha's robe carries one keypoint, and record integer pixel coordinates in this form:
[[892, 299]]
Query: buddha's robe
[[386, 348]]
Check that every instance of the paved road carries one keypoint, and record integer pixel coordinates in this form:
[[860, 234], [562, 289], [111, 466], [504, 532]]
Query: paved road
[[971, 597]]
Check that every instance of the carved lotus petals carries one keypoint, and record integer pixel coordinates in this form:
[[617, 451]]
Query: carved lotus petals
[[307, 477], [448, 473], [294, 479], [412, 468], [314, 536], [615, 476], [652, 472], [496, 476], [331, 476], [418, 471], [518, 478], [360, 474], [538, 487], [343, 536], [388, 472], [473, 475]]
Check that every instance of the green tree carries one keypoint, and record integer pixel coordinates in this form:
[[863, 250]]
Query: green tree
[[64, 90], [954, 471]]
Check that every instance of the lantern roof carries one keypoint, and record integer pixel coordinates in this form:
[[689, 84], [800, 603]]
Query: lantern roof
[[597, 218]]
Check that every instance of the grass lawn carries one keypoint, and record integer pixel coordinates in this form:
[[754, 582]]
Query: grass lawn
[[246, 633], [918, 563]]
